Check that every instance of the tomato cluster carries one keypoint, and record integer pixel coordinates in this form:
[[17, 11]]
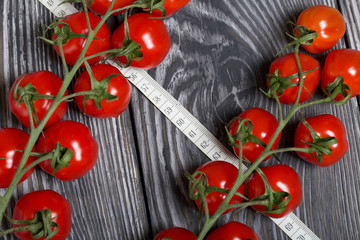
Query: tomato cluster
[[67, 149], [320, 140]]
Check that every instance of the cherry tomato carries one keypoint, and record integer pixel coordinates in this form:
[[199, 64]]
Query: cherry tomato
[[281, 178], [75, 136], [175, 233], [150, 33], [46, 83], [171, 7], [220, 174], [101, 6], [74, 46], [11, 140], [264, 127], [233, 231], [287, 66], [118, 86], [325, 125], [345, 63], [328, 23], [29, 204]]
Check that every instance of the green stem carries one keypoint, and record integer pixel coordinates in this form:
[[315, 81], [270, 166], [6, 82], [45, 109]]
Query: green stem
[[21, 228], [280, 112], [84, 93], [36, 162], [101, 53], [62, 55], [323, 100], [248, 204], [291, 149], [35, 132], [87, 16], [29, 110], [301, 78]]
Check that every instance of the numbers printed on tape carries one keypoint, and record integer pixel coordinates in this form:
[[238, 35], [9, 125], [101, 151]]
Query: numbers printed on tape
[[294, 228], [57, 9], [186, 123]]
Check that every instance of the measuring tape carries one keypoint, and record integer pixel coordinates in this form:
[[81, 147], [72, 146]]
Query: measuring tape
[[186, 123]]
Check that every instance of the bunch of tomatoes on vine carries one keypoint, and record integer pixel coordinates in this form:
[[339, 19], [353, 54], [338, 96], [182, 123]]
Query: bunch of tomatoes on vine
[[67, 149], [219, 187]]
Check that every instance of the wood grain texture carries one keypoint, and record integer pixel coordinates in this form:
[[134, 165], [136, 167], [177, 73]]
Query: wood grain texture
[[221, 51]]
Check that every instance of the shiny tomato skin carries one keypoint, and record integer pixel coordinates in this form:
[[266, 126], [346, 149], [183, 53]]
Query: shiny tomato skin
[[46, 83], [328, 23], [30, 203], [175, 233], [264, 127], [233, 231], [75, 136], [118, 86], [150, 33], [11, 140], [73, 47], [325, 125], [220, 174], [171, 7], [288, 66], [281, 178], [345, 63], [101, 6]]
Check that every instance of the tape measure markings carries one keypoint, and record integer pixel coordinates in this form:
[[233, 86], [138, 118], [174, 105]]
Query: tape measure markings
[[186, 123], [178, 115]]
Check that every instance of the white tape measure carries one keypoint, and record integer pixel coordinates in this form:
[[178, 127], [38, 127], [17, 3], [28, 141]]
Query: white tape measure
[[187, 124]]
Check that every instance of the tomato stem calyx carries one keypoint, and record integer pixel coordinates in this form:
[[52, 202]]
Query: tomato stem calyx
[[62, 31], [337, 87], [152, 5], [278, 84], [130, 49], [300, 35], [320, 145], [42, 225], [99, 88], [61, 158]]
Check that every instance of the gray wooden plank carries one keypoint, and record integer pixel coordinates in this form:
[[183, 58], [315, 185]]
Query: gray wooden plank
[[108, 202], [212, 49], [221, 51]]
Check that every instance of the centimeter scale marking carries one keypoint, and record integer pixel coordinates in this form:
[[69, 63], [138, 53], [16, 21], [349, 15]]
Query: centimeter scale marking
[[186, 123]]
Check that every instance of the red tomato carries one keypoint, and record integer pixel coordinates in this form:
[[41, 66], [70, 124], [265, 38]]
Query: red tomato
[[220, 174], [287, 66], [328, 23], [281, 178], [233, 231], [101, 6], [264, 127], [75, 136], [345, 63], [118, 86], [171, 7], [46, 83], [325, 125], [150, 33], [175, 233], [73, 47], [29, 204], [11, 140]]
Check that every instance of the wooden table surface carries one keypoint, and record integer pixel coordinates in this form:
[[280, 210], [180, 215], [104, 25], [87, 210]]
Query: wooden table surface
[[220, 53]]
